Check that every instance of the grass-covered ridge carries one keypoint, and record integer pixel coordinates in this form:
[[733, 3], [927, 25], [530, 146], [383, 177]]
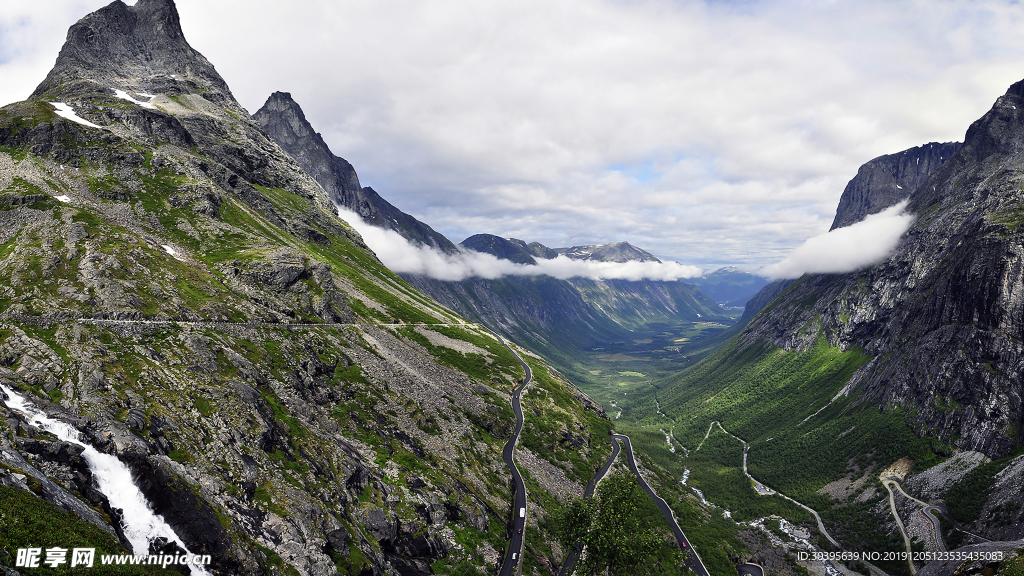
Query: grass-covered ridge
[[278, 366], [803, 434]]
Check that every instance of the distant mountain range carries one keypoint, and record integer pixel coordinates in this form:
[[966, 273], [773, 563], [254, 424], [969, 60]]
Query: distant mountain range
[[556, 316], [283, 120], [520, 252]]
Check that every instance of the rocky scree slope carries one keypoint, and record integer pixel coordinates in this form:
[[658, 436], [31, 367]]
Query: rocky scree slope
[[283, 120], [175, 286]]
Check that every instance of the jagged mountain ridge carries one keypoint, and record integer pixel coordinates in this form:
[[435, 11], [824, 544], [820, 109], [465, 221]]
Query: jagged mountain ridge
[[942, 316], [889, 179], [520, 252], [608, 252], [283, 119], [511, 249], [837, 380], [541, 310], [175, 286]]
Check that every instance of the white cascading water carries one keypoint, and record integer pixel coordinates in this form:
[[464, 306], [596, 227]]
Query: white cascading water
[[138, 521]]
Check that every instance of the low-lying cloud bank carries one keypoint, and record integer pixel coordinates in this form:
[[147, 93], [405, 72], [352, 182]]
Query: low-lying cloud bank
[[846, 249], [400, 255]]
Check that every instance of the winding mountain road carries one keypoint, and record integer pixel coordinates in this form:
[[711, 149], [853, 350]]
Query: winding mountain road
[[692, 559], [887, 482], [929, 511], [514, 554], [569, 564], [926, 507]]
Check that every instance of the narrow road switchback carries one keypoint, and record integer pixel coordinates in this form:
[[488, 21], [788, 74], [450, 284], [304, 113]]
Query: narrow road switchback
[[514, 555], [569, 564], [692, 559]]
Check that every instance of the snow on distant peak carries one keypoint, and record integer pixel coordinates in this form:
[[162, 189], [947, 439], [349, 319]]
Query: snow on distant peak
[[124, 96], [65, 111]]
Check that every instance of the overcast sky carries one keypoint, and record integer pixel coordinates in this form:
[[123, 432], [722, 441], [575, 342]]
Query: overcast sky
[[709, 133]]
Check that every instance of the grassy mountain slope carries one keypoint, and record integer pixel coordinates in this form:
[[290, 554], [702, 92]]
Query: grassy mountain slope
[[887, 371], [177, 287]]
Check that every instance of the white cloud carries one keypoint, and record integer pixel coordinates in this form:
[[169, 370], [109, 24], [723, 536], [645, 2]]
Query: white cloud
[[847, 249], [745, 120], [400, 255]]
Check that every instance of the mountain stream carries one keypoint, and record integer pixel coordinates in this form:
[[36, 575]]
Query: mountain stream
[[114, 479]]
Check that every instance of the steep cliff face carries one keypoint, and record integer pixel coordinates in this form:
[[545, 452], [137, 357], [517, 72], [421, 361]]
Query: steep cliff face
[[943, 317], [178, 289], [283, 120], [889, 179]]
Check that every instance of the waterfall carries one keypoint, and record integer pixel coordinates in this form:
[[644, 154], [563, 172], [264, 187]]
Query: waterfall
[[114, 479]]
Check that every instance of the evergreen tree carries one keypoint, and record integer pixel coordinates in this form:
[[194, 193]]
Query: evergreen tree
[[616, 534]]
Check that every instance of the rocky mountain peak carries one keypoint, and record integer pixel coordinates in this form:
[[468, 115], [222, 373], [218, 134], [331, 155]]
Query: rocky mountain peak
[[282, 119], [609, 252], [138, 48], [287, 122], [1001, 129], [511, 249], [887, 180]]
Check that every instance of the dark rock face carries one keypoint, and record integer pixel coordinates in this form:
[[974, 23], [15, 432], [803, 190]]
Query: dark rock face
[[511, 249], [132, 48], [55, 493], [283, 120], [943, 317], [541, 251], [889, 179]]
